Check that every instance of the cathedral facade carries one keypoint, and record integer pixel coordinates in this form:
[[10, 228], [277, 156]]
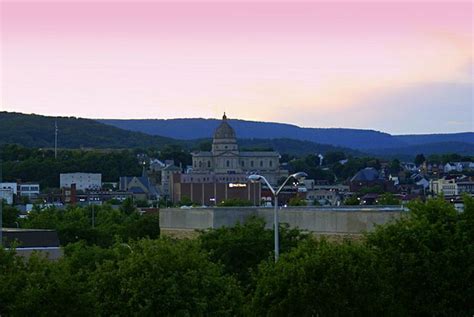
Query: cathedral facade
[[225, 163]]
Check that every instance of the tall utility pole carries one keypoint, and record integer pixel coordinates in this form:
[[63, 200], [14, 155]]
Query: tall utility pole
[[55, 139]]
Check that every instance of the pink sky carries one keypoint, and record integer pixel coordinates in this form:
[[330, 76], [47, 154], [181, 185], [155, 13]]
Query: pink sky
[[402, 67]]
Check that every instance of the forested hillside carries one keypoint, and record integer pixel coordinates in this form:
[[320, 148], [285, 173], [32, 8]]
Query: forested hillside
[[38, 131]]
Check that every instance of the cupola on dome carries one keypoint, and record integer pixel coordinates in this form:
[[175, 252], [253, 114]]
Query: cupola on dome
[[224, 130]]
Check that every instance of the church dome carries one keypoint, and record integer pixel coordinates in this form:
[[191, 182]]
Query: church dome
[[224, 130]]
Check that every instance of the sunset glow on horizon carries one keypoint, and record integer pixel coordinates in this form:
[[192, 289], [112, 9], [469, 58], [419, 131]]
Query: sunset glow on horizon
[[400, 67]]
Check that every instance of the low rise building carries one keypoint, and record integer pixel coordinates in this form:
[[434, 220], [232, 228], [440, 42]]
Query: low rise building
[[29, 190], [6, 194], [210, 193], [13, 186], [82, 181], [444, 186], [465, 185], [27, 241], [167, 173], [140, 187]]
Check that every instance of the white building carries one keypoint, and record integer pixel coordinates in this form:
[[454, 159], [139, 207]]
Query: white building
[[82, 181], [447, 187], [458, 166], [30, 190], [9, 185], [7, 195]]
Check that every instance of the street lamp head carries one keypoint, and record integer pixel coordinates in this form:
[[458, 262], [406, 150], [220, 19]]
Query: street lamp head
[[255, 178], [300, 176]]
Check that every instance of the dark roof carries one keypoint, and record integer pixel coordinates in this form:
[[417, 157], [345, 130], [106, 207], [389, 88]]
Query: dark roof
[[202, 153], [171, 168], [259, 154], [28, 238], [367, 174], [241, 154], [137, 190]]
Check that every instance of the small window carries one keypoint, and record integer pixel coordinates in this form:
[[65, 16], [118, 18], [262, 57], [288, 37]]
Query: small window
[[228, 163], [200, 164], [209, 164], [271, 163], [251, 163], [261, 163]]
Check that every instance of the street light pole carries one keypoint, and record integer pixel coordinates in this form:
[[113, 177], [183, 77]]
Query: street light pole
[[276, 223]]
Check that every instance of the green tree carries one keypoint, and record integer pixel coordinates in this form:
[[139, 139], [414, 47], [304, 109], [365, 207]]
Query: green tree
[[395, 167], [419, 159], [332, 157], [141, 226], [388, 199], [428, 258], [9, 215], [128, 207], [235, 202], [297, 201], [75, 224], [40, 287], [352, 201], [166, 277], [320, 278], [185, 201], [242, 247]]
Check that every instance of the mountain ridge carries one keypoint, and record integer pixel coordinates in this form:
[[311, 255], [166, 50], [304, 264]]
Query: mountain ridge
[[32, 130], [358, 139]]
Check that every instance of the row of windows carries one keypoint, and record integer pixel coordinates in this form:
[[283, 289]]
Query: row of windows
[[29, 188], [242, 163], [226, 179]]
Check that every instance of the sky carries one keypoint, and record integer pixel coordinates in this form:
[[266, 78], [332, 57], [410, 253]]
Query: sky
[[400, 67]]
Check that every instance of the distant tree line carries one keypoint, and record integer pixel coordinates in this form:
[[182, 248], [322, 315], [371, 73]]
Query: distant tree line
[[39, 165]]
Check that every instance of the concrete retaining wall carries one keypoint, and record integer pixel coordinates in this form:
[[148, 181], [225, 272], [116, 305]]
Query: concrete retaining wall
[[319, 220]]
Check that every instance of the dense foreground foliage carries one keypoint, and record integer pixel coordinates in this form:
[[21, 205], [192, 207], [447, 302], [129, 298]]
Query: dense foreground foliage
[[421, 264]]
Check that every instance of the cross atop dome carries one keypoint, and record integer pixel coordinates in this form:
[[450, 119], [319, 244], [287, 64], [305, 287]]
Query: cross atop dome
[[224, 117]]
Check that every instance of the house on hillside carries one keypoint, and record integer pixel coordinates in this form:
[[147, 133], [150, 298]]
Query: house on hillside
[[458, 166], [369, 177]]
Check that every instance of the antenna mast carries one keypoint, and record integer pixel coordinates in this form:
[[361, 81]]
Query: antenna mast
[[1, 205], [55, 139]]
